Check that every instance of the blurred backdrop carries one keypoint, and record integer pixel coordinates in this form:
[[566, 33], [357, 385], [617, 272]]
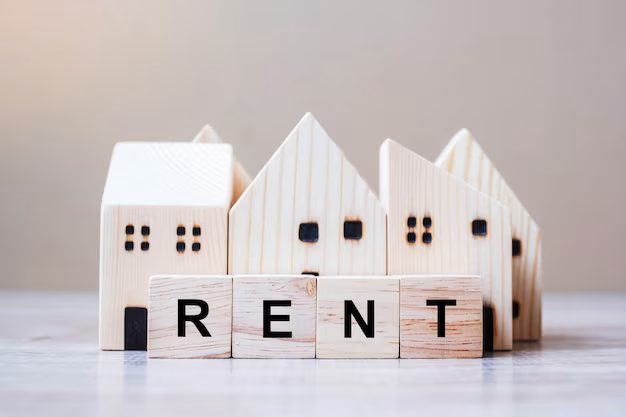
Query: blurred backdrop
[[541, 84]]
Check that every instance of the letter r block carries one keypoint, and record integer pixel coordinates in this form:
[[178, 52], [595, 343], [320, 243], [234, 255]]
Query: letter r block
[[358, 317], [441, 316], [190, 316], [274, 316]]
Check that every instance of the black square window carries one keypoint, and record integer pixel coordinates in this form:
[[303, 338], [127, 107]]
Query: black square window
[[479, 227], [196, 231], [411, 221], [427, 222], [353, 229], [130, 229], [427, 237], [517, 247], [145, 245], [515, 309], [145, 230], [309, 232], [180, 246], [180, 230], [129, 246], [410, 237], [195, 246]]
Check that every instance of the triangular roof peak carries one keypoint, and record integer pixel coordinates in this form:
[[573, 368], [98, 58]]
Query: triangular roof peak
[[464, 158], [308, 186], [307, 131]]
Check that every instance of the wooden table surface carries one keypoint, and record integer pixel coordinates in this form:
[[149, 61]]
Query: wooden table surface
[[50, 365]]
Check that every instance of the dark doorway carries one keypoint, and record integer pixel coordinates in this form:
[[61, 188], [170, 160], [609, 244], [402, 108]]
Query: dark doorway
[[135, 328]]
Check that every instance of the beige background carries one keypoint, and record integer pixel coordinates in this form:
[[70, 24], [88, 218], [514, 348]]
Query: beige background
[[541, 84]]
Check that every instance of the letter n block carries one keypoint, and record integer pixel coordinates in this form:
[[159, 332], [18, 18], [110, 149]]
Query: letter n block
[[441, 316], [190, 316], [358, 317], [274, 316]]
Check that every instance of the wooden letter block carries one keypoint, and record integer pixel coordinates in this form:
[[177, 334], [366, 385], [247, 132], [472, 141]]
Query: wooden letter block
[[441, 316], [190, 316], [358, 317], [274, 316]]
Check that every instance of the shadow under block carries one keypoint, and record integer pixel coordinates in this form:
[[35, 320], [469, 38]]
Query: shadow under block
[[307, 186], [190, 316], [370, 306], [424, 333], [152, 191], [274, 316], [464, 158], [467, 231]]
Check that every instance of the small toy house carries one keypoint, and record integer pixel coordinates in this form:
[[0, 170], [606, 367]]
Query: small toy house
[[308, 212], [464, 158], [164, 211], [439, 224]]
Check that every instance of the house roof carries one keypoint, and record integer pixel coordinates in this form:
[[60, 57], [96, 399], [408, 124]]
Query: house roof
[[170, 174], [241, 178], [466, 159]]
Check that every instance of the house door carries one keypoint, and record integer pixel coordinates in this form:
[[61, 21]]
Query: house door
[[135, 328]]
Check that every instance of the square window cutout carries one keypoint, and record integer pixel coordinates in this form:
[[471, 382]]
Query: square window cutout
[[517, 247], [352, 229], [479, 227], [308, 232]]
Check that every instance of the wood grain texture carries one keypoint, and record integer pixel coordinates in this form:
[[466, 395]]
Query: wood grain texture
[[241, 178], [163, 339], [164, 186], [249, 293], [464, 158], [332, 293], [413, 187], [308, 179], [419, 336]]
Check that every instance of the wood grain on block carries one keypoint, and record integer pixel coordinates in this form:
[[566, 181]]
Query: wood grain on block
[[241, 178], [372, 304], [438, 224], [164, 211], [308, 210], [190, 316], [274, 316], [464, 158], [424, 333]]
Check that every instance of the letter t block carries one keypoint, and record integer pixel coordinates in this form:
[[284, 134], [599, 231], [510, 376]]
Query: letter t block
[[190, 316], [358, 317], [441, 316]]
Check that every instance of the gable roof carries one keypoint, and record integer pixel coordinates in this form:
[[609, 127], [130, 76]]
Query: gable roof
[[169, 174], [241, 178], [463, 157], [307, 179]]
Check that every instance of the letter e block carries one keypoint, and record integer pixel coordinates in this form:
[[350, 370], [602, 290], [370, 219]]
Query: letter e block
[[190, 316], [274, 316], [358, 317], [441, 316]]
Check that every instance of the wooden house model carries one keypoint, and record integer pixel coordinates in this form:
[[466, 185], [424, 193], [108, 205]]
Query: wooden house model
[[308, 211], [439, 224], [164, 210], [464, 158]]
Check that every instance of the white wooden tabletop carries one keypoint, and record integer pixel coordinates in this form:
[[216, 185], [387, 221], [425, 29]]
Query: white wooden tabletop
[[50, 365]]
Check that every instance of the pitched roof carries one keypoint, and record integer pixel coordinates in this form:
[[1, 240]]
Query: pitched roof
[[169, 174]]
